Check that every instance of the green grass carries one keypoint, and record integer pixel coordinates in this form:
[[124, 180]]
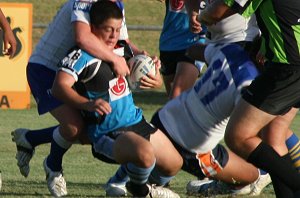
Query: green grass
[[85, 175]]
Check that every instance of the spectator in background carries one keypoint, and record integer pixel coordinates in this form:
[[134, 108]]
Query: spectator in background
[[179, 72], [9, 40]]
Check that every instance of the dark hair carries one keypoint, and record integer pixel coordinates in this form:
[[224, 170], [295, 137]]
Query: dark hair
[[103, 10]]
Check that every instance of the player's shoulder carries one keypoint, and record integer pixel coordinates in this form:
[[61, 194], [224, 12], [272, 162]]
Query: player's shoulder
[[77, 58]]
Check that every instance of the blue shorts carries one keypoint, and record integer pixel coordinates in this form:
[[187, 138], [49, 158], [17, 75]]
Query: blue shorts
[[102, 149], [40, 80]]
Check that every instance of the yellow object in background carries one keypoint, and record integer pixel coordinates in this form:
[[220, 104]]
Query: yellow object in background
[[14, 90]]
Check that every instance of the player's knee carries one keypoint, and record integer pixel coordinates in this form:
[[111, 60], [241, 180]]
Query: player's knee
[[71, 132], [145, 156]]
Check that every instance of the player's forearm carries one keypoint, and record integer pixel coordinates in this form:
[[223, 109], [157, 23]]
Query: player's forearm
[[90, 43], [69, 96]]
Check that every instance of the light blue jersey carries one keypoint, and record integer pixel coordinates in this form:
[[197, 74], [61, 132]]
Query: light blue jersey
[[95, 79], [175, 34]]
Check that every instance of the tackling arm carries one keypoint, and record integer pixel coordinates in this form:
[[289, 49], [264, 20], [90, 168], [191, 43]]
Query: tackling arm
[[90, 43]]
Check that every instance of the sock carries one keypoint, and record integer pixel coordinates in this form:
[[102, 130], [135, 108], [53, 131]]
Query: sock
[[138, 179], [280, 189], [266, 158], [59, 147], [120, 176], [293, 145], [41, 136], [158, 178]]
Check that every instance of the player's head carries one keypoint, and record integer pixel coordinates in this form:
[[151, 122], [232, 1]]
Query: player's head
[[106, 21]]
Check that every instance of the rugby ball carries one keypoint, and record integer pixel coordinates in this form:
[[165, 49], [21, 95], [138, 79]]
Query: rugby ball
[[139, 65]]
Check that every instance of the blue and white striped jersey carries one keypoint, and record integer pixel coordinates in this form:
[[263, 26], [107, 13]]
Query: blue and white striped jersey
[[197, 119]]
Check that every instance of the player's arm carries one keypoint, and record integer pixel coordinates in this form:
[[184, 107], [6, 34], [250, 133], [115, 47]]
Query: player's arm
[[193, 7], [215, 12], [9, 40], [62, 90], [90, 43]]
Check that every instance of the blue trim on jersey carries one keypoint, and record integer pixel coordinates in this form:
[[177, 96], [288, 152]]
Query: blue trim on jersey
[[120, 5], [84, 6], [241, 67]]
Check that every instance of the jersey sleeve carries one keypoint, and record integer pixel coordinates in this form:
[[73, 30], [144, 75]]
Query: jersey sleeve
[[80, 11], [74, 63]]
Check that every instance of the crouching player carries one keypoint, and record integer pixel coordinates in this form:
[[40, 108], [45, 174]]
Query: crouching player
[[115, 125]]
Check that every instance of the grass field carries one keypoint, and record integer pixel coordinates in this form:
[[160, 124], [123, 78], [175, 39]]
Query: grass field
[[85, 175]]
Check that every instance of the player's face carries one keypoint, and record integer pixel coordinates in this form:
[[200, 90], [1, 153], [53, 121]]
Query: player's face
[[109, 32]]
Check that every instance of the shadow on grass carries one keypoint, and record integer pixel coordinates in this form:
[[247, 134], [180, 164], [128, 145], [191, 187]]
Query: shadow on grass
[[39, 189], [150, 97]]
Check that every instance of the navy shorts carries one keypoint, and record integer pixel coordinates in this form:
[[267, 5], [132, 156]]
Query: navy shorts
[[40, 80], [169, 60], [276, 90], [102, 149]]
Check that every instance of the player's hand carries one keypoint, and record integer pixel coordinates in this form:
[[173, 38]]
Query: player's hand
[[195, 25], [152, 81], [10, 44], [100, 106], [120, 66]]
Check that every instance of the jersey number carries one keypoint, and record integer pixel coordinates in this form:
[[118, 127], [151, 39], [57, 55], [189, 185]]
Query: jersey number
[[220, 82]]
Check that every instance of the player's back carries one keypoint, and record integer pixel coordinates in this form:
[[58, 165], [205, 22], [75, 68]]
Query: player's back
[[198, 117], [57, 40]]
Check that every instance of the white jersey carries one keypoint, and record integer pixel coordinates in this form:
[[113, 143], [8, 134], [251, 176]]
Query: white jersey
[[232, 29], [59, 37], [197, 118]]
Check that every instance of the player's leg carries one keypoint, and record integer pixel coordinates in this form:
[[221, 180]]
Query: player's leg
[[138, 155], [185, 77], [26, 140], [245, 142], [169, 60], [40, 80], [71, 125], [293, 145], [275, 134], [237, 171]]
